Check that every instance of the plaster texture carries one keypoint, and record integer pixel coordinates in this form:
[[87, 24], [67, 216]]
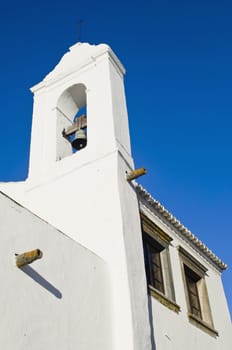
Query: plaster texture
[[62, 301]]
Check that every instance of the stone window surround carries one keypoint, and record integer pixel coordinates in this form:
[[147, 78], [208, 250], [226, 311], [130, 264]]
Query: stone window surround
[[206, 322], [162, 238]]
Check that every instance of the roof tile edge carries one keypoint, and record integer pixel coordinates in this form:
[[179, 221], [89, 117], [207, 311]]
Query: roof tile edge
[[179, 226]]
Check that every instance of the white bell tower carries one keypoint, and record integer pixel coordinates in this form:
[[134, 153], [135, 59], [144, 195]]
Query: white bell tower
[[90, 76], [85, 194]]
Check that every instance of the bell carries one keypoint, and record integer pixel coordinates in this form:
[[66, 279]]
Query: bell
[[79, 140]]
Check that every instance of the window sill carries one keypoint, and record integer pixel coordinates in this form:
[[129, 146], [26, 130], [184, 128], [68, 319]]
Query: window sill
[[163, 299], [202, 325]]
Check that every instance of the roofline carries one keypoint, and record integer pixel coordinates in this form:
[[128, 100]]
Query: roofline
[[180, 227]]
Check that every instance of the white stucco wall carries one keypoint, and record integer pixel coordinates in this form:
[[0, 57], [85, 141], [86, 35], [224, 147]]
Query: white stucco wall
[[62, 301], [97, 217]]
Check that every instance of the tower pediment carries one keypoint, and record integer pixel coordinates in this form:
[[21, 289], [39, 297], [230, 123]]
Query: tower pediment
[[78, 56]]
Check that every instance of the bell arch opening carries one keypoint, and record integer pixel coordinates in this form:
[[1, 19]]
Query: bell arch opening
[[71, 121]]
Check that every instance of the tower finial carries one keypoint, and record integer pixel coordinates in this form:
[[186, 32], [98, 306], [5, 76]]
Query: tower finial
[[80, 22]]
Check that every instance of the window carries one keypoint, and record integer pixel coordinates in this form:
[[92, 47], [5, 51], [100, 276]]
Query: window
[[157, 263], [194, 275], [152, 253], [192, 288]]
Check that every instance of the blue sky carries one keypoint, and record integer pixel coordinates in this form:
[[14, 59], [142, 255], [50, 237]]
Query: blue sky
[[178, 86]]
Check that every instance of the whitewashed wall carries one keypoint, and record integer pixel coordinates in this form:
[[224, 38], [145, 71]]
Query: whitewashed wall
[[62, 301]]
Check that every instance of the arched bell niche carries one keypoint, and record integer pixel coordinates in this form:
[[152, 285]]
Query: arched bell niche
[[71, 123]]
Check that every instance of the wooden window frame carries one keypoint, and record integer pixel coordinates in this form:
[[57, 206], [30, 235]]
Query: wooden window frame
[[154, 271], [193, 294]]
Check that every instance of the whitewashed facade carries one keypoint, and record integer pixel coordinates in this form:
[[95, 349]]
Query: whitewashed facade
[[85, 195], [54, 302]]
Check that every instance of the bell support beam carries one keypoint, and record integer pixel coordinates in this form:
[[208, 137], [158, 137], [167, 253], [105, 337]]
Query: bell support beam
[[79, 124]]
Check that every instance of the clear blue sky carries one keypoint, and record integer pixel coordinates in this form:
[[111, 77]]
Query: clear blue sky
[[178, 58]]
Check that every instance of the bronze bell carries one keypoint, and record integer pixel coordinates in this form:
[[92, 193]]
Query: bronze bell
[[79, 140]]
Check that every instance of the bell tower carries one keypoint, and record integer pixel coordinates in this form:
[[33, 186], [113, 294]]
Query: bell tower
[[81, 187], [87, 77]]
